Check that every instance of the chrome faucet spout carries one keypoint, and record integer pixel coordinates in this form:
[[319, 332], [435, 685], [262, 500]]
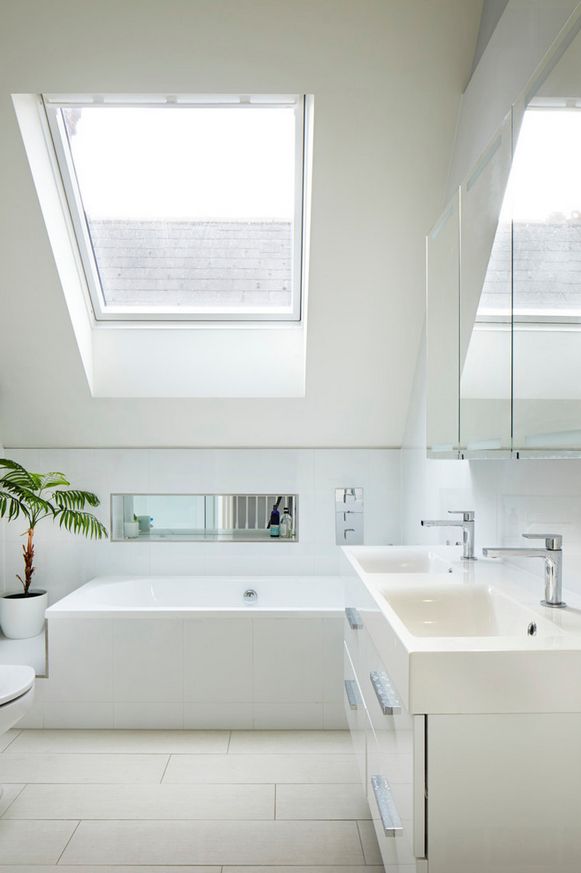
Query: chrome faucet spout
[[467, 525], [552, 555]]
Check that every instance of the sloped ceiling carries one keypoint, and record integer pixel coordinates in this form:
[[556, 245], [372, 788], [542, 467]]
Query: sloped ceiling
[[387, 76]]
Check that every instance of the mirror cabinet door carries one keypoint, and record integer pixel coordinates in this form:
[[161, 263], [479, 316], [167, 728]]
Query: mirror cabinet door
[[485, 302], [442, 320], [545, 189]]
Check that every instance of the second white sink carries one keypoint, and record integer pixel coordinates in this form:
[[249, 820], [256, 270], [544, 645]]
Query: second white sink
[[462, 611], [393, 559]]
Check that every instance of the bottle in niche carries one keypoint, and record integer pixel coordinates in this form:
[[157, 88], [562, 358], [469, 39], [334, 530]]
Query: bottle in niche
[[286, 524], [274, 522]]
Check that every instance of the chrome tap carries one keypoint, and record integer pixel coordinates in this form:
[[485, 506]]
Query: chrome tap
[[552, 555], [467, 525]]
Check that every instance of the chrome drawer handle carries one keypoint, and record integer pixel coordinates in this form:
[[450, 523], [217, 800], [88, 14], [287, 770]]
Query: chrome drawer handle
[[354, 619], [390, 820], [385, 693], [352, 692]]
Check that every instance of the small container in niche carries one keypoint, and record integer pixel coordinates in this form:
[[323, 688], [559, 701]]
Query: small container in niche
[[274, 525], [286, 524], [131, 530]]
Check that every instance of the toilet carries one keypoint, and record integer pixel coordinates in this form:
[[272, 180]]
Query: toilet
[[16, 694]]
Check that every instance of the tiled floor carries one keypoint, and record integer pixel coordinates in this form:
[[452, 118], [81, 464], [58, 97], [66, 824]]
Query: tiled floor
[[208, 801]]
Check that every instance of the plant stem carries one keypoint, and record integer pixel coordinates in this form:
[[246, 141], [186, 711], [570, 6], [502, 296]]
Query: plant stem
[[28, 553]]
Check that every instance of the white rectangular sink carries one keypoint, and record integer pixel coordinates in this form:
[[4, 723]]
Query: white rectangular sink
[[468, 610], [401, 559]]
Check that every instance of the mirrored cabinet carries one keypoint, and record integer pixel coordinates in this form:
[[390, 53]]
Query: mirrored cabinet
[[504, 282]]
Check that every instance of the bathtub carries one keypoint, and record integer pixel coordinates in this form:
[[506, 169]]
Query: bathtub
[[190, 652], [143, 594]]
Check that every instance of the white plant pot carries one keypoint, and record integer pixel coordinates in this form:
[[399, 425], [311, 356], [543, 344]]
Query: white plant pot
[[23, 617], [131, 529]]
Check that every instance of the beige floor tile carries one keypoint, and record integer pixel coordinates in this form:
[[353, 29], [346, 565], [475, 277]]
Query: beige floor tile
[[82, 768], [369, 842], [261, 768], [290, 742], [46, 742], [330, 802], [140, 868], [38, 842], [171, 802], [336, 868], [8, 738], [214, 843], [9, 795]]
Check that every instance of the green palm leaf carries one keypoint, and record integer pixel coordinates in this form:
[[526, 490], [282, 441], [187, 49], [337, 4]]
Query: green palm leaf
[[81, 523], [10, 506], [17, 475], [75, 499], [53, 480]]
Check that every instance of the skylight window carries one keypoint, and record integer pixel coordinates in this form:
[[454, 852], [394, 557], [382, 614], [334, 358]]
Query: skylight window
[[185, 208]]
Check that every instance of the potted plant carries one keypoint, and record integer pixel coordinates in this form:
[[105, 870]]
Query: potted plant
[[37, 496]]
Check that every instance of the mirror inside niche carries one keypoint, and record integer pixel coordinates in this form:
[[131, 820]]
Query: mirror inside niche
[[443, 254], [208, 517], [545, 194], [486, 301]]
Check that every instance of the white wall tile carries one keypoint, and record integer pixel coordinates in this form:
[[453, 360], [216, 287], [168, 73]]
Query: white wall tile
[[148, 659], [288, 716], [231, 716], [75, 714], [149, 715], [218, 660], [288, 660], [80, 659]]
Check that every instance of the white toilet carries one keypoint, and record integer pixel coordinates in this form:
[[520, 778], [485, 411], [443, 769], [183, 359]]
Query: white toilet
[[16, 694]]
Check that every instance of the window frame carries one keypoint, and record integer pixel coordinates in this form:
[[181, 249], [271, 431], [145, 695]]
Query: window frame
[[103, 313]]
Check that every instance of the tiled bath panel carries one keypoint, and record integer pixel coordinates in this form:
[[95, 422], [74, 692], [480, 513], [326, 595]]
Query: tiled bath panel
[[193, 673], [189, 802]]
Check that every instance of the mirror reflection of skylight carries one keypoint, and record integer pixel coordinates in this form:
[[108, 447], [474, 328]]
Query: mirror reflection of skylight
[[545, 202], [187, 210]]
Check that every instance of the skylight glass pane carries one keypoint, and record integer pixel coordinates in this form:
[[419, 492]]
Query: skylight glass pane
[[189, 209]]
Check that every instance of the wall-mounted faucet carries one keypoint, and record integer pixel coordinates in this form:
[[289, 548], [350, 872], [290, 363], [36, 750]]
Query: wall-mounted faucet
[[349, 516], [552, 555], [467, 525]]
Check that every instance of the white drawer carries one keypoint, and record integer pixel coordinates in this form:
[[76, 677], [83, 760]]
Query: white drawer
[[391, 804], [356, 716], [382, 699]]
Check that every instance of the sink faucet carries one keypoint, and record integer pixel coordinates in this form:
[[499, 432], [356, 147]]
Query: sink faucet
[[552, 555], [467, 525]]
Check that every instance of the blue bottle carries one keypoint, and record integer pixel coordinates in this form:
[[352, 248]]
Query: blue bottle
[[275, 522]]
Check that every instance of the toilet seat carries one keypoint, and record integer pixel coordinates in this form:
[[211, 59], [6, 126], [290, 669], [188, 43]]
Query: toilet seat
[[15, 681]]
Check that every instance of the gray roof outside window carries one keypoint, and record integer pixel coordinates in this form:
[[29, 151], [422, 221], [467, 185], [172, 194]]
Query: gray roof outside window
[[194, 263]]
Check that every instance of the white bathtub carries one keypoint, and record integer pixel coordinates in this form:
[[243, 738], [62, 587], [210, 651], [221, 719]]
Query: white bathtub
[[190, 652], [142, 594]]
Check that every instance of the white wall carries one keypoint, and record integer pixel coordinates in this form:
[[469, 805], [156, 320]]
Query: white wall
[[386, 76], [64, 562]]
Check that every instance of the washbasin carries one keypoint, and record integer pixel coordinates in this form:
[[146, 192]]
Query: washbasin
[[463, 611], [400, 560]]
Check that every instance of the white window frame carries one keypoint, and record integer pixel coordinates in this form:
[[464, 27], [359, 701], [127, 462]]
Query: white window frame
[[103, 312]]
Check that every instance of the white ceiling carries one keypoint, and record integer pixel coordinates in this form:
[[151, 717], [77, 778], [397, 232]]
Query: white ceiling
[[387, 76]]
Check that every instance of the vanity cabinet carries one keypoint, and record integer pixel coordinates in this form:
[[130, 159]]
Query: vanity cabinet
[[451, 791]]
